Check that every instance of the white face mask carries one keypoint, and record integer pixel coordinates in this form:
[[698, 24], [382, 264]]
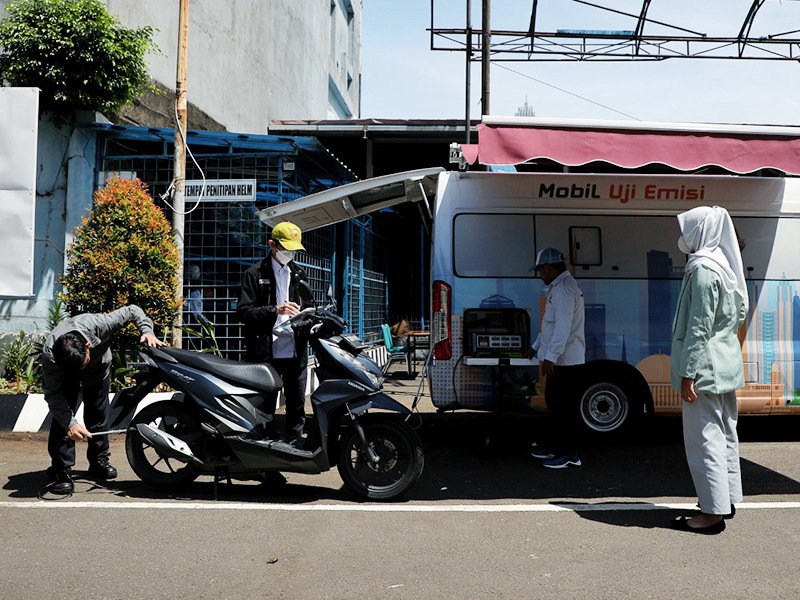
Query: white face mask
[[284, 256], [683, 247]]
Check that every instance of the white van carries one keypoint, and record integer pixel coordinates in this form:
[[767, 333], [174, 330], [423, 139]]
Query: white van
[[619, 233]]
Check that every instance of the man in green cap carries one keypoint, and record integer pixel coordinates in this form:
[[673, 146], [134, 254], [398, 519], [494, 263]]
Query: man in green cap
[[273, 291]]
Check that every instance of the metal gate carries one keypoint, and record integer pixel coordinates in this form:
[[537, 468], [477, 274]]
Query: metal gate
[[222, 239], [366, 301]]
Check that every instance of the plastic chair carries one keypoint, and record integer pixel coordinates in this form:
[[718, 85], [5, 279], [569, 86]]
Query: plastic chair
[[394, 352]]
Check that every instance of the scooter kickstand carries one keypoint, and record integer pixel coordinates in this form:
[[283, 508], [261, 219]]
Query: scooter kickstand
[[219, 472]]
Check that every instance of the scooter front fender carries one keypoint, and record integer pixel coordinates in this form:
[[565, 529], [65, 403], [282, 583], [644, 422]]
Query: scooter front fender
[[380, 400]]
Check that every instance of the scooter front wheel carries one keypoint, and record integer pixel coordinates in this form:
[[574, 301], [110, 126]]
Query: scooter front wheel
[[147, 463], [400, 458]]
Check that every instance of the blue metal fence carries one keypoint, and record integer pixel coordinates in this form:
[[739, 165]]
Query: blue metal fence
[[365, 302], [222, 239]]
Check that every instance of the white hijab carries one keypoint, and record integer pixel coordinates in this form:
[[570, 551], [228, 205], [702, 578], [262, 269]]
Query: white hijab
[[710, 240]]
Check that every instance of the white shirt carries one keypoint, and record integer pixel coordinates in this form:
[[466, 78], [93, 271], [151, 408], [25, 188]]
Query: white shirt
[[282, 343], [561, 340]]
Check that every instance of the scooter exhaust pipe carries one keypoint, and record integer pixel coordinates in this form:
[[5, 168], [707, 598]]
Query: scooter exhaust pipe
[[167, 445]]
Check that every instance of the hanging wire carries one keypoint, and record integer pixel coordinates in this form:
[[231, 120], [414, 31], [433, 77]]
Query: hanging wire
[[172, 183], [497, 64]]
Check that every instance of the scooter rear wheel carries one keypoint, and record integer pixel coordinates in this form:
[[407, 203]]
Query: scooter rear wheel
[[151, 467], [401, 459]]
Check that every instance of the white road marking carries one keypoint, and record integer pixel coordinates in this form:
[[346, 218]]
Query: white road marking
[[389, 508]]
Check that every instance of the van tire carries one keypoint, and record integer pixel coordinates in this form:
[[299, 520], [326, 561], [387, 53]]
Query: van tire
[[605, 409]]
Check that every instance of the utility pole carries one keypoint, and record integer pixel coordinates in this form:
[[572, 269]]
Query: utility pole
[[486, 46], [469, 65], [179, 163]]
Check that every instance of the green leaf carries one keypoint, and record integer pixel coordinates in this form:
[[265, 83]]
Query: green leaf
[[77, 53]]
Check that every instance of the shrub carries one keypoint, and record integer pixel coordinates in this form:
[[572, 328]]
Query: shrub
[[78, 54], [123, 253]]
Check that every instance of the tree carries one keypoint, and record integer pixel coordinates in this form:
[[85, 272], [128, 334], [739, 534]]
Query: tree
[[123, 253], [78, 54]]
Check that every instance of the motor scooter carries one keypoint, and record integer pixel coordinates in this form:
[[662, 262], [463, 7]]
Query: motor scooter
[[223, 425]]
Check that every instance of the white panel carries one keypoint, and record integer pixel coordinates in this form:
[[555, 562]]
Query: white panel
[[19, 122], [16, 233]]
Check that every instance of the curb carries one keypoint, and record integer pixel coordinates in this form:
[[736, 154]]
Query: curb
[[29, 413]]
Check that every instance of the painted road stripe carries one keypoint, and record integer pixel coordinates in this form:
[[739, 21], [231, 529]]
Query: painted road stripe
[[389, 508]]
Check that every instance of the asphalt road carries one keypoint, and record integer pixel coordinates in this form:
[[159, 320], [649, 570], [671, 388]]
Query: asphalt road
[[485, 521]]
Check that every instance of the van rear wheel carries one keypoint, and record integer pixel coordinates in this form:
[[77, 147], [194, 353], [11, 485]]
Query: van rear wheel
[[604, 408]]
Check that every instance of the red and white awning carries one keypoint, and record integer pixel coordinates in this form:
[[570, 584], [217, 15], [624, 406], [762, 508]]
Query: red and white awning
[[686, 147]]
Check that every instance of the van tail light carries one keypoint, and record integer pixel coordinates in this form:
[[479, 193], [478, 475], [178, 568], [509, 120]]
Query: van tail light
[[440, 330]]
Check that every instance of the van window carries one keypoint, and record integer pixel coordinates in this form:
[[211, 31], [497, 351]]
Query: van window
[[633, 247], [494, 245], [770, 247], [585, 246]]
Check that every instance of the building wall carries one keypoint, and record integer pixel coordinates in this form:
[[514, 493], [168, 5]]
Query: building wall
[[64, 186], [251, 61]]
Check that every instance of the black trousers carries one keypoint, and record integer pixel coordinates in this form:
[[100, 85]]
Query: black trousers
[[562, 394], [95, 417], [295, 375]]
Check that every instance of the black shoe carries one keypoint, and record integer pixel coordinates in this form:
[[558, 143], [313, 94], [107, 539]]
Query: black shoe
[[294, 440], [61, 481], [682, 524], [297, 442], [102, 469]]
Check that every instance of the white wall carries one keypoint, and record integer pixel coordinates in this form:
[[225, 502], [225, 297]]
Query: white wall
[[250, 61], [61, 201]]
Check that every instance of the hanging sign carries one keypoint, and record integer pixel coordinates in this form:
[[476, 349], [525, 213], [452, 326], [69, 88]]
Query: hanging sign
[[221, 190]]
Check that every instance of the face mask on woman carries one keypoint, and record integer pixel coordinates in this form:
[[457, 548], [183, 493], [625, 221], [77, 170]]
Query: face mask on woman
[[683, 247]]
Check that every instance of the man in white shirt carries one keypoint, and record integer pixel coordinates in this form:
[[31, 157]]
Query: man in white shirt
[[561, 350], [273, 291]]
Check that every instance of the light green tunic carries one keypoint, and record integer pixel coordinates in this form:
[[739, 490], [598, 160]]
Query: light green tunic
[[705, 346]]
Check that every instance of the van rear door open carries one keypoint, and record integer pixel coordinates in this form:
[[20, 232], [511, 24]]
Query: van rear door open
[[356, 199]]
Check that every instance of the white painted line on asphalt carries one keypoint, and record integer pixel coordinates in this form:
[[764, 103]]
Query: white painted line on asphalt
[[388, 508]]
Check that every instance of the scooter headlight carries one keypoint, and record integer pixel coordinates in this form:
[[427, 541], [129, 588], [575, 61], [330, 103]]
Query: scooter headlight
[[376, 381]]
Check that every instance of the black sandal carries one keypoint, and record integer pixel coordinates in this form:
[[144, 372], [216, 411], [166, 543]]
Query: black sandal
[[682, 524]]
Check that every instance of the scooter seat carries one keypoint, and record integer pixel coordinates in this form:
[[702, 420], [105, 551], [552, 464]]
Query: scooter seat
[[261, 377]]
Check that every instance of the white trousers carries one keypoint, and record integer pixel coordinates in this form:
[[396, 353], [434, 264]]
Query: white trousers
[[712, 451]]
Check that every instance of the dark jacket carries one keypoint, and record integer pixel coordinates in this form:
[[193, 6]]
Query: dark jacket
[[258, 311]]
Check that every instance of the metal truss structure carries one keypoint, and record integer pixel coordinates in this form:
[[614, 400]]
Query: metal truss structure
[[625, 45]]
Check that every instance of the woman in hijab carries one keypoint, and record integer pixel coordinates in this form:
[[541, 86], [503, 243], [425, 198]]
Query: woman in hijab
[[706, 362]]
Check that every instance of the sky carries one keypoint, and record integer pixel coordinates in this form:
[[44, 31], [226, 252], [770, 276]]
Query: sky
[[402, 78]]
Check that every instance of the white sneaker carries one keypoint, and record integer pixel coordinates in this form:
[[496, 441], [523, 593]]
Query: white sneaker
[[562, 462], [538, 451]]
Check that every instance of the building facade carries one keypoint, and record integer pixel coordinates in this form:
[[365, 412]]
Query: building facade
[[249, 62]]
